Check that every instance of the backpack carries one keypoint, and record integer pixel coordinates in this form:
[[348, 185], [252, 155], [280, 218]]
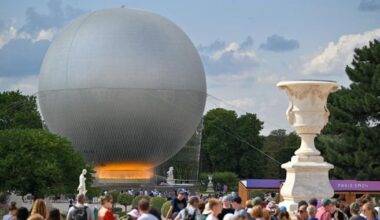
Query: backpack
[[80, 213], [188, 216]]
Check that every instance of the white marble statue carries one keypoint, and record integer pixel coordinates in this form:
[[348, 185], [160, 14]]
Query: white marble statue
[[82, 183], [170, 179], [210, 185]]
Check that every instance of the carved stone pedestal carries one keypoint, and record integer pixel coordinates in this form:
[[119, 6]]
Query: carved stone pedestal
[[306, 173]]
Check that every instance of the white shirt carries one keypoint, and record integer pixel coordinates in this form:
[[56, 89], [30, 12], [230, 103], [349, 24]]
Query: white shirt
[[211, 217], [90, 215], [190, 211], [147, 216]]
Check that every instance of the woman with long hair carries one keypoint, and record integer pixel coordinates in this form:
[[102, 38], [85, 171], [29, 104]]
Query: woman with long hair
[[105, 212], [39, 207]]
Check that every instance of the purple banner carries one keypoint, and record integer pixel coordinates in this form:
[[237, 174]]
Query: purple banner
[[353, 185], [338, 185]]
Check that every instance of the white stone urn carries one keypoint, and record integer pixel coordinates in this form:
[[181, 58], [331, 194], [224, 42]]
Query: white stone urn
[[307, 173]]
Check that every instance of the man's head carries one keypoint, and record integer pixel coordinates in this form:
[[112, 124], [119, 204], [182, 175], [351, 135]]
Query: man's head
[[367, 209], [81, 198], [313, 202], [194, 201], [227, 200], [257, 201], [236, 203], [355, 208], [215, 206], [327, 204], [302, 212], [181, 194], [311, 211], [143, 205]]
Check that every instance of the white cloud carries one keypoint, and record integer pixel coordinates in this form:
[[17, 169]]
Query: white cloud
[[45, 35], [7, 34], [334, 58], [235, 50], [27, 85]]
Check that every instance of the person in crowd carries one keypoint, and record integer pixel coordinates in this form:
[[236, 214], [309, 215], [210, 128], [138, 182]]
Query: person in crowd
[[133, 214], [143, 207], [302, 213], [177, 205], [257, 212], [227, 206], [355, 209], [284, 214], [302, 202], [311, 211], [324, 212], [215, 207], [71, 203], [36, 216], [369, 211], [39, 207], [336, 213], [229, 216], [313, 202], [22, 213], [80, 210], [105, 212], [191, 212], [12, 212], [201, 206], [54, 214], [237, 206], [248, 206], [206, 212], [155, 213]]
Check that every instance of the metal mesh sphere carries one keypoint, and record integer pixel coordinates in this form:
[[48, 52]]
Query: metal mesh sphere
[[123, 86]]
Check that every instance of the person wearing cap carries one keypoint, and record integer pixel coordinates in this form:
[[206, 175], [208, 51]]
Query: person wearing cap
[[324, 212], [191, 212], [355, 209], [226, 200], [177, 205]]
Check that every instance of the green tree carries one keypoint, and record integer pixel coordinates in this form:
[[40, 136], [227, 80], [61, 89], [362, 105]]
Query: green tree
[[38, 162], [125, 199], [227, 142], [350, 140], [18, 111]]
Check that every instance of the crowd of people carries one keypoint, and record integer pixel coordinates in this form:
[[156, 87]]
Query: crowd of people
[[77, 211], [185, 207], [230, 207]]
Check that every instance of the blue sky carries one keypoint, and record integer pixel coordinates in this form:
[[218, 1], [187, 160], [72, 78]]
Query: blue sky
[[246, 46]]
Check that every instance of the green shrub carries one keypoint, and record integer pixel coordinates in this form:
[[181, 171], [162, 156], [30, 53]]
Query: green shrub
[[228, 178], [165, 208], [117, 209], [136, 200], [157, 202], [125, 199]]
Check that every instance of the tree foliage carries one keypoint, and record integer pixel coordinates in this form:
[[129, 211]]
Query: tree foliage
[[226, 141], [125, 199], [18, 111], [350, 141], [38, 162]]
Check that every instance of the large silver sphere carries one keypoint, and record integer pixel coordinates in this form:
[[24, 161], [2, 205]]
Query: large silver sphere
[[123, 86]]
